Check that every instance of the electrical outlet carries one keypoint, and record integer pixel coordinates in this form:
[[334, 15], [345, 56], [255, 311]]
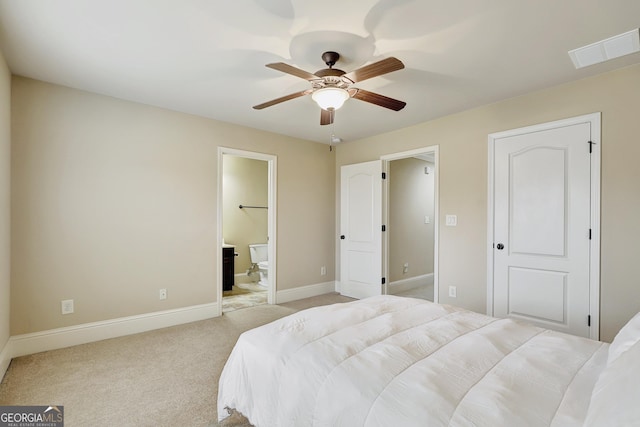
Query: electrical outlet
[[453, 292], [163, 294], [323, 271], [67, 306], [405, 267]]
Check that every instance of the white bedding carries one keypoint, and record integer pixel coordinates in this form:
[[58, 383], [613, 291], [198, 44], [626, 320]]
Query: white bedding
[[392, 361]]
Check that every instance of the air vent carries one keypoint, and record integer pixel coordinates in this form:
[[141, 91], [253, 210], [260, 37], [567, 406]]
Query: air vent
[[604, 50]]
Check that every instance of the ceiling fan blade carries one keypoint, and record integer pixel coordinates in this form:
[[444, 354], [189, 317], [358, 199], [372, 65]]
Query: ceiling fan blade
[[289, 69], [326, 116], [381, 100], [376, 69], [281, 99]]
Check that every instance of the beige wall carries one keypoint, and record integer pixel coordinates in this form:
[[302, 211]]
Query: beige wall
[[410, 200], [244, 182], [113, 200], [462, 139], [5, 186]]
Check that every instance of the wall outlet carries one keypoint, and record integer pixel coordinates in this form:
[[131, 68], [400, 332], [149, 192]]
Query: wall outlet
[[163, 294], [453, 292], [405, 267], [323, 271], [66, 306]]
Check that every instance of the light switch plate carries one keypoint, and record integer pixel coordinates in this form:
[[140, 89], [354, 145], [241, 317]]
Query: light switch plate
[[451, 220], [66, 306]]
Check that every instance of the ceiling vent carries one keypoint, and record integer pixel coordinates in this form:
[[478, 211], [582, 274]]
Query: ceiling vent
[[604, 50]]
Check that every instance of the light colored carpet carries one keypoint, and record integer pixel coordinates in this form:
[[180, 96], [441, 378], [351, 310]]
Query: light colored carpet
[[167, 377], [235, 419], [421, 292]]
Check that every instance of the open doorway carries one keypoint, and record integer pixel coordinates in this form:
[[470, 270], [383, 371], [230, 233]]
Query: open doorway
[[246, 224], [411, 209]]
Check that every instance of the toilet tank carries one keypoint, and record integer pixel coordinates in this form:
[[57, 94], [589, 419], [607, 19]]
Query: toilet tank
[[258, 252]]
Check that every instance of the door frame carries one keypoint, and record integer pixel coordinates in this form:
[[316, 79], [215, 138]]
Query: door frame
[[594, 244], [272, 162], [435, 150]]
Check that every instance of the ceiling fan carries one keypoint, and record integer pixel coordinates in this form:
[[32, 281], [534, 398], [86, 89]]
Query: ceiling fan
[[331, 87]]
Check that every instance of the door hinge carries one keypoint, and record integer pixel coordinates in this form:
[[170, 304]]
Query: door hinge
[[384, 280], [591, 146], [589, 320], [589, 234], [384, 175], [384, 227]]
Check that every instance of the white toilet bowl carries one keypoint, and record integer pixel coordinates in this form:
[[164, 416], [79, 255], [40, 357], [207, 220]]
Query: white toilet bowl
[[263, 269], [259, 256]]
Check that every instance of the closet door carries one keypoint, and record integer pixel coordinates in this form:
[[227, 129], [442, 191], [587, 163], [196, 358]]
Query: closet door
[[542, 227]]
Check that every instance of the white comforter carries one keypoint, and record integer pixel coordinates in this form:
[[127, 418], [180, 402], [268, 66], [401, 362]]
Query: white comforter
[[391, 361]]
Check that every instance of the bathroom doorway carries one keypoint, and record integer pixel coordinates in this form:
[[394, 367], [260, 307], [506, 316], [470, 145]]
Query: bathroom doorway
[[411, 216], [246, 226]]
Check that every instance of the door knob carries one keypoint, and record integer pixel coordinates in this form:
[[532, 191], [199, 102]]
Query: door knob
[[342, 237], [500, 246]]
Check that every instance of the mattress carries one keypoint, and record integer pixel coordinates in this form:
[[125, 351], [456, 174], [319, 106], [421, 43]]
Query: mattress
[[389, 360]]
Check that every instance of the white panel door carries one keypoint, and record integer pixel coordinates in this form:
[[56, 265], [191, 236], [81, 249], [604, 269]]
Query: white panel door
[[542, 217], [361, 229]]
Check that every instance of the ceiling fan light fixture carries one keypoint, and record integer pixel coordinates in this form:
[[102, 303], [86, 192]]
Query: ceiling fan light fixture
[[330, 97]]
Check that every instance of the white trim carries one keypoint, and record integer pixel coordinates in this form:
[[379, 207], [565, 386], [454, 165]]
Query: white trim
[[594, 279], [5, 359], [305, 292], [272, 160], [20, 345], [490, 225], [410, 283], [435, 149], [410, 153], [594, 120]]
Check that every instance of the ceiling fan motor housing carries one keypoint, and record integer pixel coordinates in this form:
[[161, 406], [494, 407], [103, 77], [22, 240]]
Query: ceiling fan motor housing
[[331, 76], [330, 58]]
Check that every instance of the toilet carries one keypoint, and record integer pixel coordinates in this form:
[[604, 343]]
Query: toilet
[[259, 253]]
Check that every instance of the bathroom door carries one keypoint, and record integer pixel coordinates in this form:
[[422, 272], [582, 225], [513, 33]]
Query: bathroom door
[[361, 229]]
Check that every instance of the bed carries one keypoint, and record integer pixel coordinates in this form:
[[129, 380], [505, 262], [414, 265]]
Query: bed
[[394, 361]]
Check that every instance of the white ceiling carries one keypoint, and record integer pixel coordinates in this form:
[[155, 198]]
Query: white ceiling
[[206, 57]]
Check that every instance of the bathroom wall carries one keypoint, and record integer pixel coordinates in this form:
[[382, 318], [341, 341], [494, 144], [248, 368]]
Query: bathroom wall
[[244, 182], [411, 198]]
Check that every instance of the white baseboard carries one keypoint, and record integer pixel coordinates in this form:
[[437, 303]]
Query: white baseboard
[[305, 292], [410, 283], [20, 345]]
